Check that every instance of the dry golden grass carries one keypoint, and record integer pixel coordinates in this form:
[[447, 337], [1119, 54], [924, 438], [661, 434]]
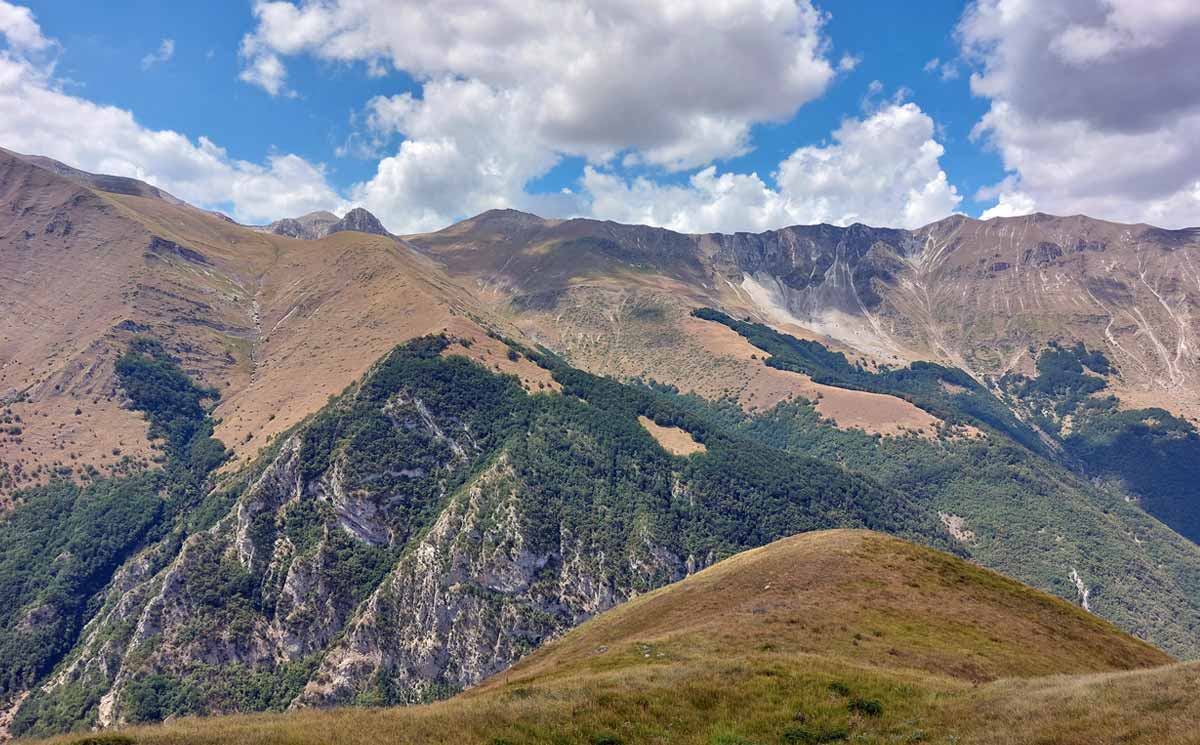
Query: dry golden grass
[[1159, 706], [750, 698], [825, 637], [854, 594], [52, 435], [472, 342], [673, 439]]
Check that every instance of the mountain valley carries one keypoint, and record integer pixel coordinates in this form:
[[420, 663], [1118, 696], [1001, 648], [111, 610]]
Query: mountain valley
[[312, 463]]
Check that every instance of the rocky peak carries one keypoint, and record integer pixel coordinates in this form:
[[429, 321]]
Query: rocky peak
[[289, 226], [308, 227], [361, 221], [317, 225]]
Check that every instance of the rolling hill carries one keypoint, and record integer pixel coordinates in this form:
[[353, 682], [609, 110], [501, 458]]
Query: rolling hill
[[830, 636]]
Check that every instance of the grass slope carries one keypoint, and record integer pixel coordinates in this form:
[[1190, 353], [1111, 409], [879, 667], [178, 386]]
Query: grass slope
[[842, 635]]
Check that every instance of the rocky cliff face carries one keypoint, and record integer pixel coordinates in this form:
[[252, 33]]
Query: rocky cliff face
[[424, 531], [359, 220], [975, 294], [308, 227], [471, 598]]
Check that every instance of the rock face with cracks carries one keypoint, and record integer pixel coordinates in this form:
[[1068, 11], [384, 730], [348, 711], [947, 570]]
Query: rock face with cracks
[[416, 536]]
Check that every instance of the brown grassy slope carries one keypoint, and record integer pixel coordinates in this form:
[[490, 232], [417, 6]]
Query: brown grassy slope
[[311, 316], [824, 637], [867, 597], [1160, 706], [275, 324], [985, 291], [68, 264], [675, 440]]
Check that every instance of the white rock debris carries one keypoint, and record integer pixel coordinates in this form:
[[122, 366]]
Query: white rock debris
[[957, 527], [1082, 589]]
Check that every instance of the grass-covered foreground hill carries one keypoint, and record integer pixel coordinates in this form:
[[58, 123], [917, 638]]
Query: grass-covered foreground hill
[[825, 637]]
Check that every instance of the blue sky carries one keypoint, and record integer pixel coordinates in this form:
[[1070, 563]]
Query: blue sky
[[197, 91], [306, 129]]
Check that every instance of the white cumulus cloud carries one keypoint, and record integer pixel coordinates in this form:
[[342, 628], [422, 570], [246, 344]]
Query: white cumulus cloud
[[880, 170], [41, 118], [680, 81], [20, 29], [1095, 105], [468, 148], [508, 89]]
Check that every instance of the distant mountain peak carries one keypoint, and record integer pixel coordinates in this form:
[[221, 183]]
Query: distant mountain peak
[[360, 220], [318, 215], [320, 224], [506, 213]]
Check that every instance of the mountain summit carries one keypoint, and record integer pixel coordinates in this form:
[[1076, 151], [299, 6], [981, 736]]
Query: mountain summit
[[317, 225]]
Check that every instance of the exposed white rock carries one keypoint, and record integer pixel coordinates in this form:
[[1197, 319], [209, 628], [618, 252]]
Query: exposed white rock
[[1081, 588], [957, 527]]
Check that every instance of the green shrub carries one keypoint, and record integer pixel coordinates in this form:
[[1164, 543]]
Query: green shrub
[[866, 706]]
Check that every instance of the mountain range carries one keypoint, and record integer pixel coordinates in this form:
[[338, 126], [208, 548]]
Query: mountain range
[[310, 463]]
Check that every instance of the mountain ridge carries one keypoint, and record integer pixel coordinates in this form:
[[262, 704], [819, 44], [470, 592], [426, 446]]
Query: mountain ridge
[[931, 293], [938, 374], [1037, 216]]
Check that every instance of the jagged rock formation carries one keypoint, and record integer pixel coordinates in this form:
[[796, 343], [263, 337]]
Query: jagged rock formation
[[308, 227], [317, 225], [359, 220]]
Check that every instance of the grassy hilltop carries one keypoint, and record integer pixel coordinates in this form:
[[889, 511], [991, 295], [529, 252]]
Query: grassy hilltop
[[829, 636]]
